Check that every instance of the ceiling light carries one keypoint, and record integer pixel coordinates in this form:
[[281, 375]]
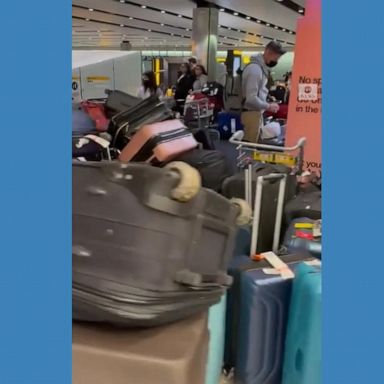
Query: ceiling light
[[187, 29], [268, 25], [163, 12], [301, 10], [87, 20], [280, 1], [235, 14], [149, 30], [248, 18], [143, 6], [259, 21], [162, 24], [222, 9], [90, 9], [276, 27], [172, 34], [239, 30], [283, 29], [122, 1], [229, 28], [130, 18], [290, 32], [121, 25], [179, 15]]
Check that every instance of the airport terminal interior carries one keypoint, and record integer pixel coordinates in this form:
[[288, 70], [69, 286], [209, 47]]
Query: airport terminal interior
[[196, 255]]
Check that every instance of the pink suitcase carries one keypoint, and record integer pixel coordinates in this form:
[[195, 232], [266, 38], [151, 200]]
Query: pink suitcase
[[159, 142]]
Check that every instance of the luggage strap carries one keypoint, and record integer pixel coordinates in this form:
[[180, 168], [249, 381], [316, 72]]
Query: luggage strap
[[279, 267], [98, 140]]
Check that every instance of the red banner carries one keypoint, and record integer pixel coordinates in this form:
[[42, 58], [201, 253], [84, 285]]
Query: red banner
[[304, 115]]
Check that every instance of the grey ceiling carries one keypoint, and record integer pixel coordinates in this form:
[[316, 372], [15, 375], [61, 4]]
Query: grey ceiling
[[166, 24]]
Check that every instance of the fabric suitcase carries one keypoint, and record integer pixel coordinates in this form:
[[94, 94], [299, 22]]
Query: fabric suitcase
[[96, 112], [81, 122], [228, 124], [302, 362], [301, 238], [158, 143], [150, 245], [305, 204], [118, 101], [216, 326], [264, 308], [212, 165], [172, 354]]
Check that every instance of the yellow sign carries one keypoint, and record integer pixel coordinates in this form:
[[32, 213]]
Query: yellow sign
[[246, 60], [95, 79], [275, 158]]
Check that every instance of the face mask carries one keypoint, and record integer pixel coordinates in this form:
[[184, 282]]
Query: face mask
[[272, 64]]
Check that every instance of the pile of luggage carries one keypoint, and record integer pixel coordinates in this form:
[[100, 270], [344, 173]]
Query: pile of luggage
[[167, 269]]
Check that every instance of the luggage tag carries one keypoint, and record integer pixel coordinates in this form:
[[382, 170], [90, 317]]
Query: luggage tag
[[313, 263], [317, 229], [279, 267]]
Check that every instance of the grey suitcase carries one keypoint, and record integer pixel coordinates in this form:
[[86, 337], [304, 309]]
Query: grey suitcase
[[141, 257]]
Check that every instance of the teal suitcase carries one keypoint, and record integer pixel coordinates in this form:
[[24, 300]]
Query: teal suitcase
[[302, 362], [216, 326]]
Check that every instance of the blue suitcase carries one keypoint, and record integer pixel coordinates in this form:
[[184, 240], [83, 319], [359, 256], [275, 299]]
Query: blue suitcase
[[216, 326], [228, 124], [264, 308], [302, 362]]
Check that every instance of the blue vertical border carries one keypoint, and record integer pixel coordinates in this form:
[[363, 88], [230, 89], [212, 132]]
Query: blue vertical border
[[35, 192], [353, 136]]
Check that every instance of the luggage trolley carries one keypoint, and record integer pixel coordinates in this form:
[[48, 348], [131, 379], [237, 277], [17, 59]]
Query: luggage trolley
[[252, 152]]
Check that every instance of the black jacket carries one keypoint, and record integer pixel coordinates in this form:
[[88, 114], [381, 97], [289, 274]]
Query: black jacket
[[184, 85]]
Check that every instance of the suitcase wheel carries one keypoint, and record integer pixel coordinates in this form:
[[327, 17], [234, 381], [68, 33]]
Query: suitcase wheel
[[245, 212], [189, 184]]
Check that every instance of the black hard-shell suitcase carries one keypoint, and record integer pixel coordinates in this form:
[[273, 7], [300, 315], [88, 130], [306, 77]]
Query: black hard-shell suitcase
[[123, 125], [305, 204], [137, 247], [118, 101], [235, 187], [212, 165]]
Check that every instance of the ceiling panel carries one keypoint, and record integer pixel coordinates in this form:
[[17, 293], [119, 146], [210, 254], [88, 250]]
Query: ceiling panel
[[158, 23]]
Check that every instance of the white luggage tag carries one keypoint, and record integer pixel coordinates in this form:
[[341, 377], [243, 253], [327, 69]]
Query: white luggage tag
[[279, 267], [313, 263]]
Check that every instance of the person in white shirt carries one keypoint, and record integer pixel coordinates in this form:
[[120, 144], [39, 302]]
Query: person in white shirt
[[149, 87], [201, 78]]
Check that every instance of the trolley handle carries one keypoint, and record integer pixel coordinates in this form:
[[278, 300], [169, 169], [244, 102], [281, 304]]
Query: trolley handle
[[238, 136]]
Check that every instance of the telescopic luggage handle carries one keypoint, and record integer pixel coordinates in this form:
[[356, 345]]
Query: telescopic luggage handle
[[238, 136], [261, 181]]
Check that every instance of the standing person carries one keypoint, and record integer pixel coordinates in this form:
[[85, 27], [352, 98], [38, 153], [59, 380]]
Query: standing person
[[184, 86], [149, 87], [254, 90], [192, 61], [201, 78]]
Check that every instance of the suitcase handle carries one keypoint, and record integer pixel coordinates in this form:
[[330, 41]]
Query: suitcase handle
[[279, 212], [198, 280]]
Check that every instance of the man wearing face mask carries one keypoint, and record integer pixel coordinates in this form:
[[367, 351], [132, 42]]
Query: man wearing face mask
[[254, 90]]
